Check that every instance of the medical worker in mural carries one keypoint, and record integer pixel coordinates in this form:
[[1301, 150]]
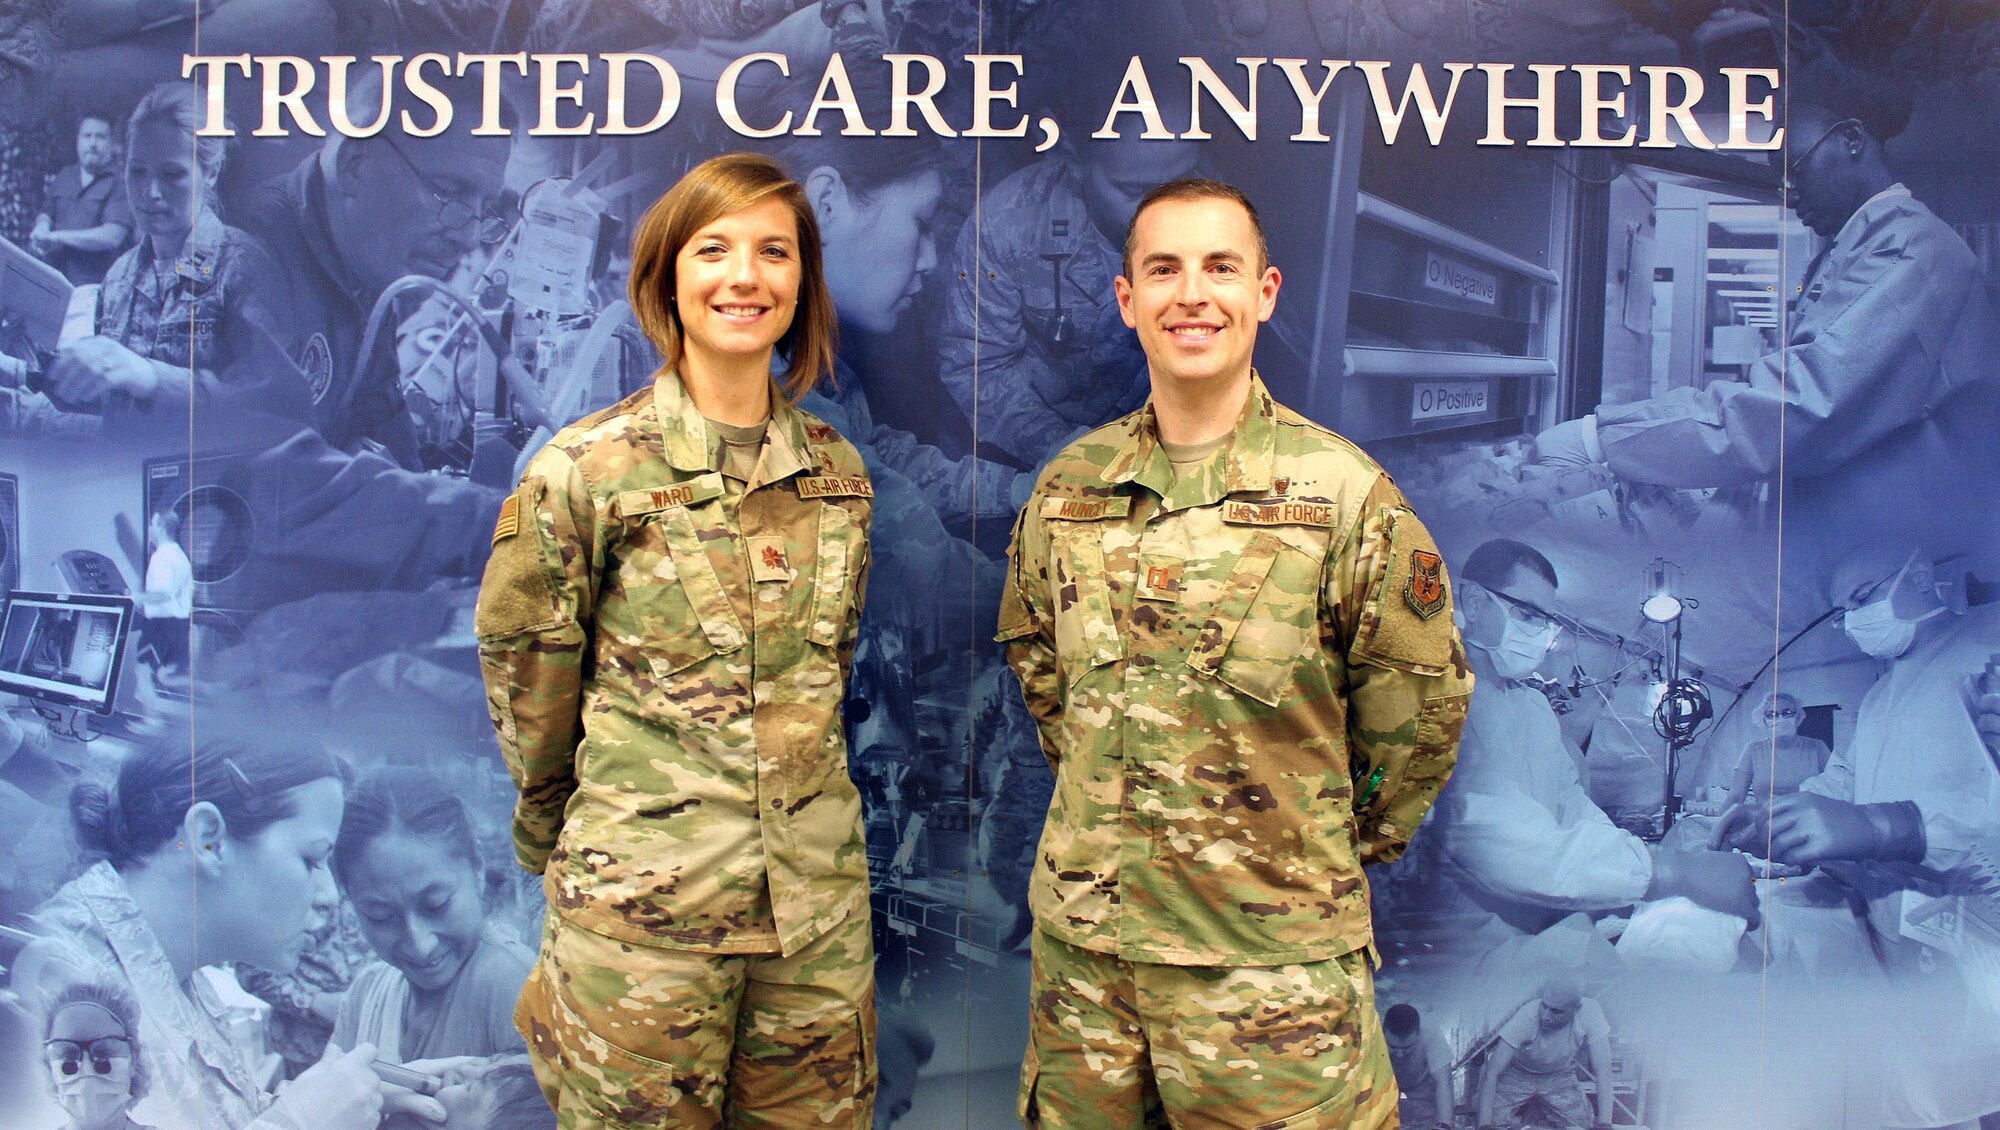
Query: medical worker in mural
[[1524, 841], [253, 828], [1903, 829], [666, 625], [179, 319], [1885, 389]]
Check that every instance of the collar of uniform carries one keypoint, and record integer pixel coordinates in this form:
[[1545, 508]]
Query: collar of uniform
[[1863, 215], [785, 444], [684, 434], [203, 252], [685, 437], [1246, 464], [308, 195]]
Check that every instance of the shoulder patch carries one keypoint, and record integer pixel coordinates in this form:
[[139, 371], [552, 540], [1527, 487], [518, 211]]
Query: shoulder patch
[[1425, 591], [1086, 509], [651, 500], [834, 486], [315, 360]]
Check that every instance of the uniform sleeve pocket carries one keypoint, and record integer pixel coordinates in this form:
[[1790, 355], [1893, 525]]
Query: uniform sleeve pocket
[[515, 596], [1406, 622]]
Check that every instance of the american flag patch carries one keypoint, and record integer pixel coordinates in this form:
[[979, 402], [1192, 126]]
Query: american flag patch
[[510, 519]]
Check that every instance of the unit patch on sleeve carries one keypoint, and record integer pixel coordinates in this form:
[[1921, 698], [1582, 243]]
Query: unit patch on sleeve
[[1425, 592]]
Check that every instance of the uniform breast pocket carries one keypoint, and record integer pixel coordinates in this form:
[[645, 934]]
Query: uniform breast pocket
[[1264, 620], [836, 569], [679, 613], [1087, 634]]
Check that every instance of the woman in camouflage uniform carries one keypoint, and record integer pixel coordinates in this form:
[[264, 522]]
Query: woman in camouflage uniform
[[666, 626]]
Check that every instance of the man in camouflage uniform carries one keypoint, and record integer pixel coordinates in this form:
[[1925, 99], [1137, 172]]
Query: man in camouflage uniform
[[664, 633], [1237, 642]]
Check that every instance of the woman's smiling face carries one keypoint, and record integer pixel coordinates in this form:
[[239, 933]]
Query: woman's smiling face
[[419, 907]]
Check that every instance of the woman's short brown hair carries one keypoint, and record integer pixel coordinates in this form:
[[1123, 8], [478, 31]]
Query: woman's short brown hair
[[711, 190]]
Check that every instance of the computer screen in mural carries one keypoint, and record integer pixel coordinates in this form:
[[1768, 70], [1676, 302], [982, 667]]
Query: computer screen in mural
[[63, 648]]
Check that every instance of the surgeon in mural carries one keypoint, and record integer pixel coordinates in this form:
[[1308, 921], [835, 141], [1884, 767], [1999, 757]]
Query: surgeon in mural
[[254, 827], [1885, 390], [354, 217], [1523, 839], [1905, 819], [1236, 640], [666, 627]]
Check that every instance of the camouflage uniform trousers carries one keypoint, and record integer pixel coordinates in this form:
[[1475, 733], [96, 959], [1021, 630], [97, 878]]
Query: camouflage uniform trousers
[[1554, 1099], [625, 1035], [1115, 1044]]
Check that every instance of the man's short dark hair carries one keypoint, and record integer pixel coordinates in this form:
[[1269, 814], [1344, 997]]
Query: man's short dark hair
[[1401, 1020], [1493, 562], [1196, 188], [109, 119]]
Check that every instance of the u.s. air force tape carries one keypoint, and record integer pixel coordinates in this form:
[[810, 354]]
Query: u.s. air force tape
[[834, 486], [1280, 513]]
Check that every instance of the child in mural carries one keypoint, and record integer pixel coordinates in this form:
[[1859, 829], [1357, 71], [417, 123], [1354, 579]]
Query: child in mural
[[502, 1096], [252, 829], [666, 626], [408, 860]]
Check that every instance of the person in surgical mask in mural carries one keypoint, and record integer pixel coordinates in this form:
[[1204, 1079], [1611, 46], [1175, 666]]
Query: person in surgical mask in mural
[[1886, 388], [90, 1044], [1775, 766], [252, 829], [1516, 827], [1900, 818]]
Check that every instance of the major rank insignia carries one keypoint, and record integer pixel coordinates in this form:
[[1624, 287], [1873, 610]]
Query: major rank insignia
[[1425, 591]]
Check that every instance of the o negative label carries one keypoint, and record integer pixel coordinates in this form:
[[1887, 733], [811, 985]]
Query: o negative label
[[1454, 277]]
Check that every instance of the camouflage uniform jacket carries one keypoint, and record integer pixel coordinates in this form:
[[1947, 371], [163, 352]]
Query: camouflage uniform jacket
[[664, 649], [1213, 663]]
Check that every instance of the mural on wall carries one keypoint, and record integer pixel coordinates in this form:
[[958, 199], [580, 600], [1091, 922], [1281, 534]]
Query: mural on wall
[[1706, 429]]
